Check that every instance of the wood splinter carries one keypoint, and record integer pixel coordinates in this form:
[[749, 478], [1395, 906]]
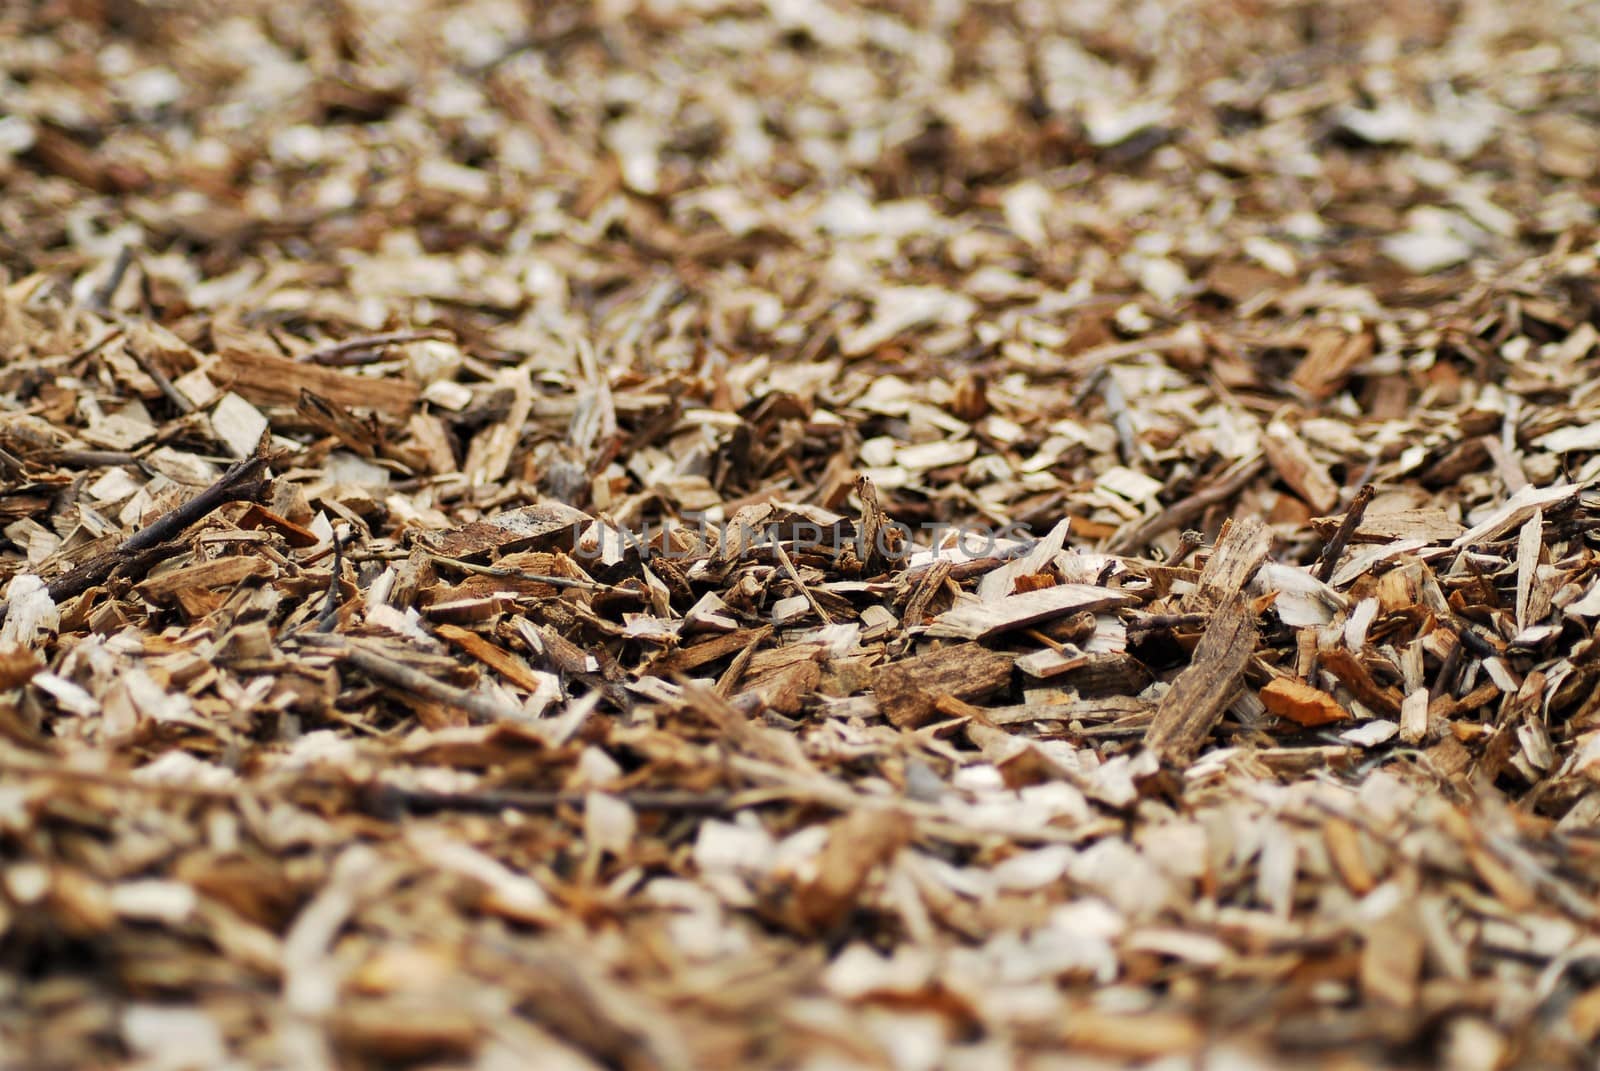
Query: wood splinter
[[1200, 695], [1197, 700]]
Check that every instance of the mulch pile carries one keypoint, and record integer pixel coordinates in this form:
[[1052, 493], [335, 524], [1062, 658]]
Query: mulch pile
[[671, 535]]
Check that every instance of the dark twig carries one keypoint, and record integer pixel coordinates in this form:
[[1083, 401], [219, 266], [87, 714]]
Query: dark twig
[[1121, 419], [239, 483], [109, 334], [385, 799], [101, 302], [1185, 510], [1328, 560], [415, 682], [12, 465], [1157, 622], [1474, 640], [1189, 541], [328, 619], [88, 458], [330, 354], [168, 391]]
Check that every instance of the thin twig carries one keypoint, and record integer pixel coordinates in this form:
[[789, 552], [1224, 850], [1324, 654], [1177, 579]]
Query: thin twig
[[1093, 359], [93, 347], [331, 353], [1189, 541], [386, 798], [794, 574], [393, 555], [1156, 622], [12, 465], [1328, 560], [88, 458], [170, 392], [392, 673], [328, 619], [101, 302], [1187, 509], [1121, 419]]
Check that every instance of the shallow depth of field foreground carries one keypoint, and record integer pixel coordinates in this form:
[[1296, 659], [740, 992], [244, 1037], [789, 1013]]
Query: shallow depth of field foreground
[[679, 535]]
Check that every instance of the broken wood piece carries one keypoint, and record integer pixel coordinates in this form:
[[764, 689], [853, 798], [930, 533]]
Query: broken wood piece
[[1050, 662], [907, 691], [1301, 703], [1391, 958], [1515, 511], [1431, 525], [1197, 699], [780, 749], [684, 659], [1189, 541], [515, 529], [1414, 716], [523, 581], [784, 690], [257, 516], [1292, 460], [976, 620], [793, 574], [206, 576], [1355, 676], [335, 352], [497, 658], [266, 379], [1343, 841], [857, 844], [1331, 355], [1236, 557]]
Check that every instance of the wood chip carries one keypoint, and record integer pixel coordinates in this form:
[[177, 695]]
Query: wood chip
[[1017, 611], [1301, 703], [908, 690], [1203, 691]]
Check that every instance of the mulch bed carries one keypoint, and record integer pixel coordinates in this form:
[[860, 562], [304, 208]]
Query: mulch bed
[[674, 535]]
